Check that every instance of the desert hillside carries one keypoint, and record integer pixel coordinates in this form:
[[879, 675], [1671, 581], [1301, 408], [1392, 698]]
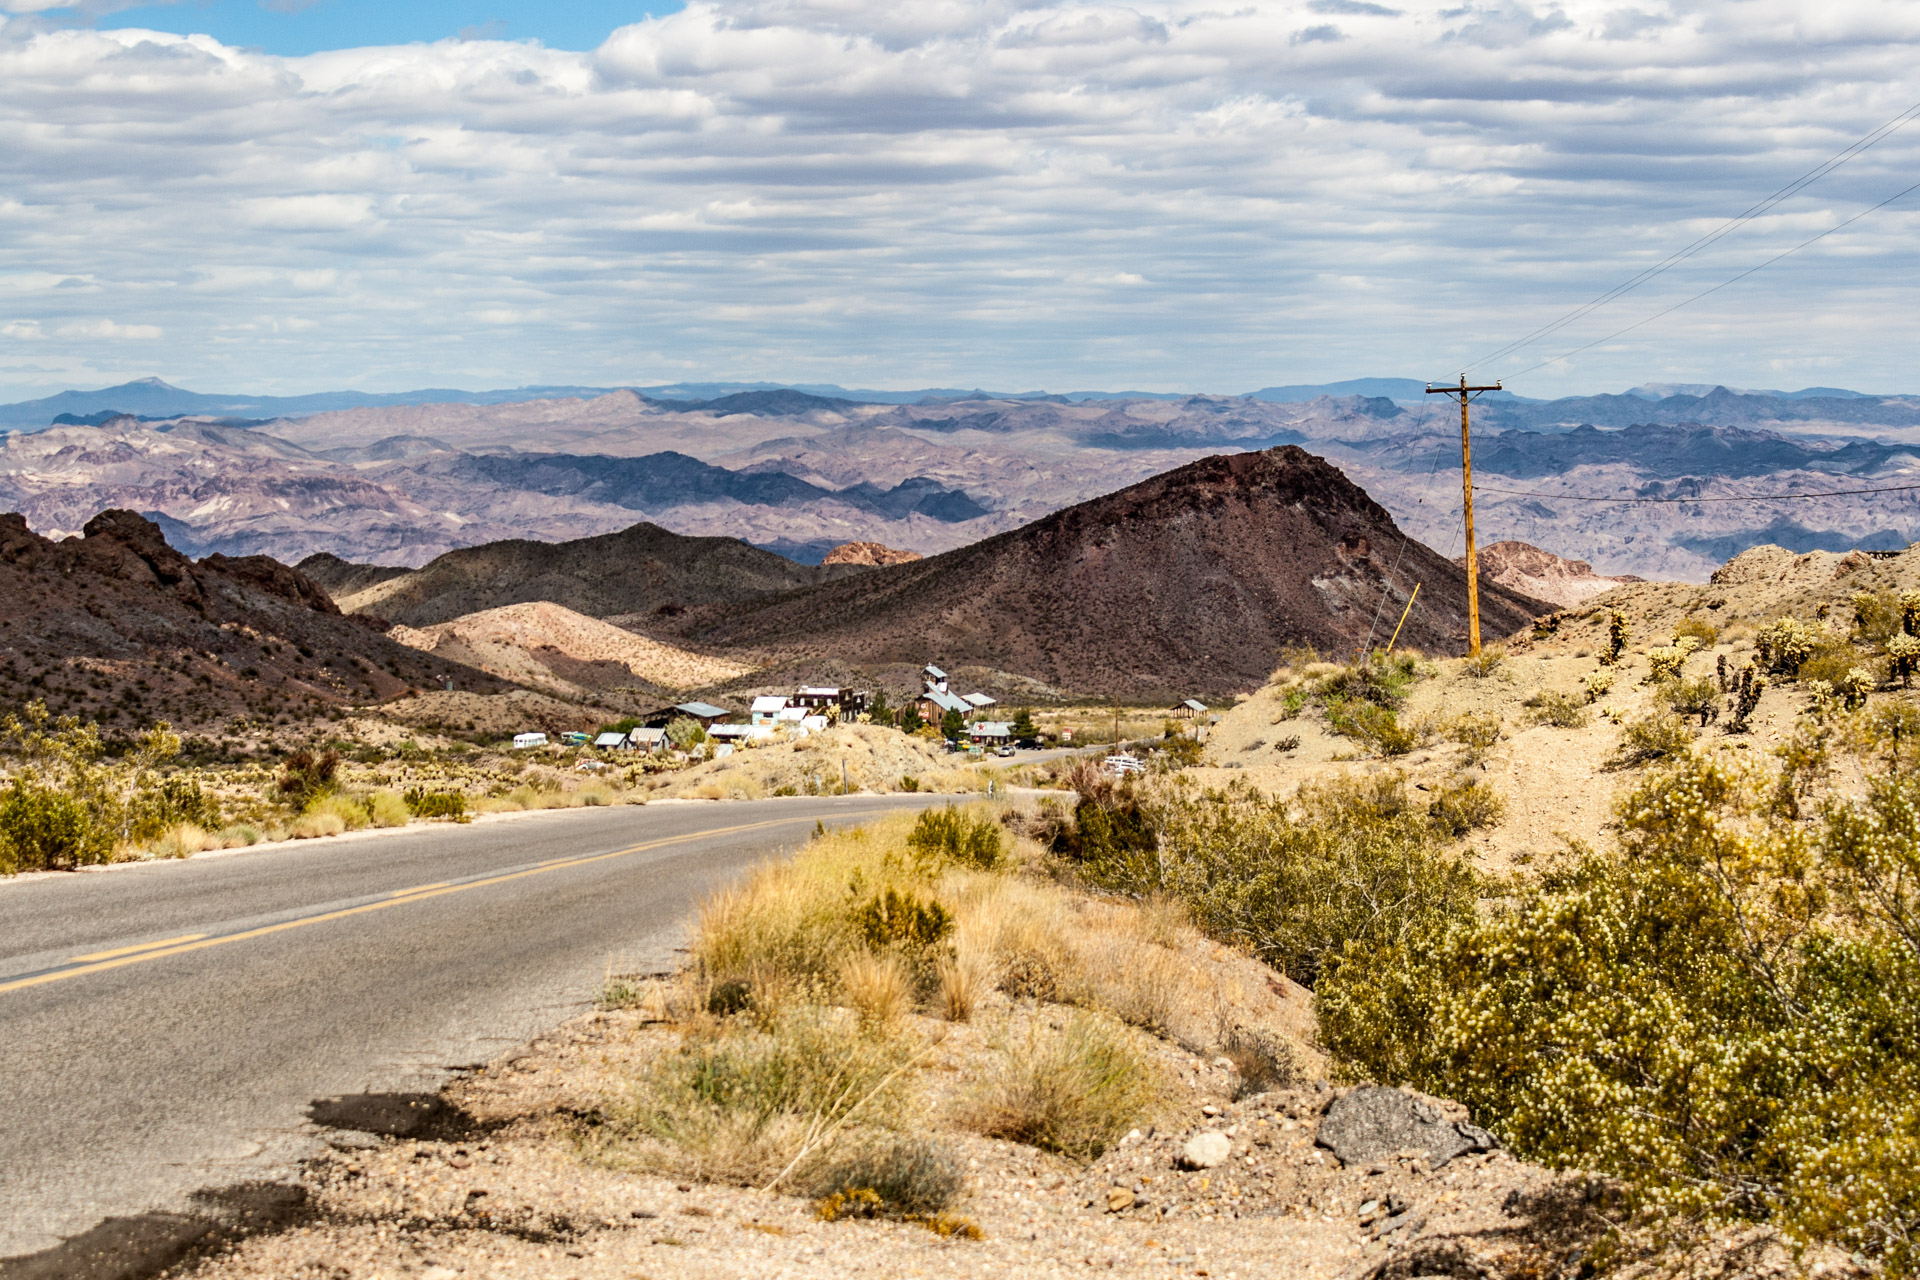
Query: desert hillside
[[1191, 582]]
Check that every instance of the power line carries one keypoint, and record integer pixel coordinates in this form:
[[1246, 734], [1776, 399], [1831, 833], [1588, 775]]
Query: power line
[[1758, 497], [1723, 284], [1706, 241]]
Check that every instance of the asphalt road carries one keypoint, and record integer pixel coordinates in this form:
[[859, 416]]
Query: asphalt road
[[163, 1027]]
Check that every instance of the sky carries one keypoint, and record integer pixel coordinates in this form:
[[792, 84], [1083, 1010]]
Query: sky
[[1179, 195]]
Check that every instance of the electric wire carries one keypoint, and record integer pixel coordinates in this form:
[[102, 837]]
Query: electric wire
[[1839, 226], [1706, 241], [1757, 497]]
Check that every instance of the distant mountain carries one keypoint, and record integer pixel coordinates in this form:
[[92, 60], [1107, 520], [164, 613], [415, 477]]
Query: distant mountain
[[1189, 583], [642, 570], [1672, 451], [1661, 390], [119, 626], [152, 399], [1390, 388]]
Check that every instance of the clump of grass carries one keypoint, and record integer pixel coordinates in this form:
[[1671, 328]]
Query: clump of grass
[[437, 804], [879, 987], [352, 814], [309, 826], [1074, 1091], [1697, 628], [751, 1100], [385, 809], [1485, 663], [1477, 732], [962, 980], [182, 840]]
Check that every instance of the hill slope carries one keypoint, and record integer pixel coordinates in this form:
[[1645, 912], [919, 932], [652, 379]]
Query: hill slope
[[1191, 582], [640, 570], [120, 627]]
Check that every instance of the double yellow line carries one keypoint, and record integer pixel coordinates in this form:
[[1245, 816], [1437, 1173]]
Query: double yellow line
[[120, 957]]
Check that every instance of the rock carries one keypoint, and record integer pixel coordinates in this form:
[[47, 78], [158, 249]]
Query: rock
[[1119, 1199], [439, 1273], [1205, 1150], [1209, 1110], [1371, 1121]]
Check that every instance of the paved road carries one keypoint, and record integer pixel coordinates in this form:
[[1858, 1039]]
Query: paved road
[[163, 1027]]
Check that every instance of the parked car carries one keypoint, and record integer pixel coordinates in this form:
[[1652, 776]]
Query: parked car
[[1004, 749]]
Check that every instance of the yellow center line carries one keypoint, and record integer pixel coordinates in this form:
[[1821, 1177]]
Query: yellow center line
[[102, 961], [145, 946]]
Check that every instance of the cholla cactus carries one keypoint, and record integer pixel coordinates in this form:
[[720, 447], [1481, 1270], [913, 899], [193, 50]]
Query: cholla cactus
[[1746, 697], [1668, 661], [1910, 612], [1785, 645], [1903, 655], [1599, 683], [1617, 634], [1854, 687]]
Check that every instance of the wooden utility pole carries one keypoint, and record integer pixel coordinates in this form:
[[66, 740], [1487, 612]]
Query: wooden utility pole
[[1467, 395]]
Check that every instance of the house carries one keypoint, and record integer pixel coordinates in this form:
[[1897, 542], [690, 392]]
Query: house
[[936, 678], [978, 701], [832, 701], [1191, 709], [935, 703], [766, 709], [648, 740], [611, 741], [521, 741], [705, 713], [990, 732]]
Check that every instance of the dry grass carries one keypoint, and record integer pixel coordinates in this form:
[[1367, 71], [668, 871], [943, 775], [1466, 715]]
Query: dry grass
[[1075, 1090], [963, 979], [878, 987], [385, 809], [308, 826]]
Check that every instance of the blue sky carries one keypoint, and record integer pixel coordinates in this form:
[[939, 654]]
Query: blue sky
[[295, 27], [1168, 195]]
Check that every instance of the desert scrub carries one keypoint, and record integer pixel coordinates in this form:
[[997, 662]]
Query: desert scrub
[[887, 1175], [1375, 727], [1723, 1013], [749, 1098], [1487, 662], [1075, 1091], [1461, 805], [1598, 684], [1478, 732], [1549, 706], [1654, 736], [951, 835], [1296, 881]]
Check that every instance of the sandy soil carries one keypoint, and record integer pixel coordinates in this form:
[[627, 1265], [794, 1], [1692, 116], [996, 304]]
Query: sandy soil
[[509, 642]]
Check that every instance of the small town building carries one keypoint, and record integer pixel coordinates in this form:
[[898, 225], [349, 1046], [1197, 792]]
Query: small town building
[[521, 741], [611, 741], [979, 701], [705, 713], [1191, 709], [935, 703], [935, 677], [648, 740], [990, 732], [766, 709], [574, 738]]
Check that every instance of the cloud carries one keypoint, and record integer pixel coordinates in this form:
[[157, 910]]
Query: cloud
[[107, 330], [961, 192]]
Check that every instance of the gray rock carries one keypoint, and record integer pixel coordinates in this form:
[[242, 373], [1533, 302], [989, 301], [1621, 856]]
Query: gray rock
[[1371, 1122], [1205, 1150]]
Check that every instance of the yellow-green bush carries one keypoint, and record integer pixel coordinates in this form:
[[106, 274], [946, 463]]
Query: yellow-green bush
[[1074, 1092], [1725, 1013], [385, 809]]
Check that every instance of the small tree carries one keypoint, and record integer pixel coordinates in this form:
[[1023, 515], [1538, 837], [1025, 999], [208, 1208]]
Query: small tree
[[910, 720], [880, 712], [953, 726], [685, 733], [1023, 726]]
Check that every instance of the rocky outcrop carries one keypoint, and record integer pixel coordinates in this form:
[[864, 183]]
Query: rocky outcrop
[[868, 553], [1525, 568]]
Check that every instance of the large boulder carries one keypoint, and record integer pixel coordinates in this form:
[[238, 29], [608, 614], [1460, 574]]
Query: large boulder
[[1370, 1122]]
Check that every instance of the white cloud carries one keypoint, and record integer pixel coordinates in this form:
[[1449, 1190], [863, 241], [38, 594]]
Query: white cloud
[[108, 330], [1009, 193]]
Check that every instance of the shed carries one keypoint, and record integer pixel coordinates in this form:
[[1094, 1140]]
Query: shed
[[647, 739], [523, 740], [611, 740], [1191, 709]]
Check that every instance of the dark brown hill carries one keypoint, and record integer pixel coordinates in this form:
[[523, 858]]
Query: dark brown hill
[[1191, 582], [641, 570], [118, 626]]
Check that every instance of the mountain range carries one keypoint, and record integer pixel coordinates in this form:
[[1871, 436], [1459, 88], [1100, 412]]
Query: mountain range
[[1656, 482]]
